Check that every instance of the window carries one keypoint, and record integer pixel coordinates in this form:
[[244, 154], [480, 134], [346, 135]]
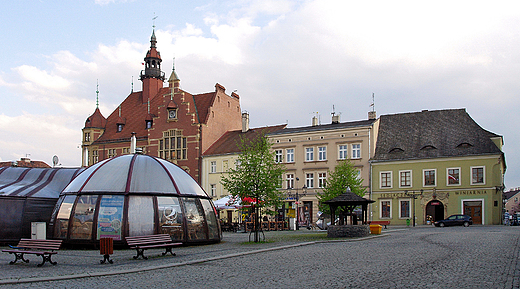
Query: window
[[126, 151], [356, 151], [386, 209], [111, 153], [149, 124], [173, 146], [404, 209], [429, 178], [386, 179], [358, 174], [290, 155], [454, 176], [342, 152], [309, 180], [477, 175], [322, 153], [290, 181], [213, 167], [95, 156], [87, 136], [309, 154], [213, 189], [405, 179], [322, 180], [278, 156], [225, 166], [120, 127]]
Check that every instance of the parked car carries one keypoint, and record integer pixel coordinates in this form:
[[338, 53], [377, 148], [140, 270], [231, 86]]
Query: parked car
[[455, 220]]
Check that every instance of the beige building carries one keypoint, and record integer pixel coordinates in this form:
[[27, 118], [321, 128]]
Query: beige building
[[222, 156], [310, 153]]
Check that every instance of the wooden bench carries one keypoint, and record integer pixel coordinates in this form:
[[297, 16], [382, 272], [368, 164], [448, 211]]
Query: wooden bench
[[43, 248], [383, 223], [141, 243]]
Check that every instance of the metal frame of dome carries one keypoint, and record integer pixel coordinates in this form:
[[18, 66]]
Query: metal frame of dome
[[133, 195]]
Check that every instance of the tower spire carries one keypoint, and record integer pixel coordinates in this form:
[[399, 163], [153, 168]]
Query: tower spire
[[97, 93]]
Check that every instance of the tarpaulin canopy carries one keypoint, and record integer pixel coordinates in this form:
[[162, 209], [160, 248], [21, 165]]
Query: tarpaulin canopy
[[228, 203]]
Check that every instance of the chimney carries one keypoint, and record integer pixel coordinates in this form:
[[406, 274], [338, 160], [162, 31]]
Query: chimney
[[314, 121], [372, 115], [335, 118], [133, 143], [245, 122]]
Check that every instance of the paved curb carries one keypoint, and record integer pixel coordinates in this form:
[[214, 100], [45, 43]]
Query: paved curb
[[192, 262]]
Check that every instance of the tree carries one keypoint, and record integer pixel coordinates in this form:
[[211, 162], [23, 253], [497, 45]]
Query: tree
[[257, 177], [343, 176]]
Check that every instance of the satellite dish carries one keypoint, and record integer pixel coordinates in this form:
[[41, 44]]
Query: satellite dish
[[55, 160]]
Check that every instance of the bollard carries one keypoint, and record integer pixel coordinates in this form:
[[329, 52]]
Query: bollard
[[106, 248]]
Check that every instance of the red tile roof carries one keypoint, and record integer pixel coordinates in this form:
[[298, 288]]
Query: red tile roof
[[229, 142], [96, 120]]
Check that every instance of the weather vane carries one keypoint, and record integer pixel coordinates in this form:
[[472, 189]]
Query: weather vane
[[97, 93], [154, 17]]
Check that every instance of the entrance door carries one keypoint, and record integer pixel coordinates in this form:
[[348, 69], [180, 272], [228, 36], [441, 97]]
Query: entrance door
[[474, 210], [230, 216], [434, 211]]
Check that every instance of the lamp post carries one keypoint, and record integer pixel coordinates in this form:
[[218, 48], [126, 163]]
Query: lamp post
[[414, 195], [296, 200]]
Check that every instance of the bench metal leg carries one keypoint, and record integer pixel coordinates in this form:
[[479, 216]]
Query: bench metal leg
[[46, 258], [18, 256], [169, 250], [140, 253]]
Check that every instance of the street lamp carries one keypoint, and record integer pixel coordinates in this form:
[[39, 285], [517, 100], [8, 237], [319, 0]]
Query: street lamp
[[414, 196], [297, 198]]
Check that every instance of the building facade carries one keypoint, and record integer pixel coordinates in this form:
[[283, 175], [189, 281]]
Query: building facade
[[310, 153], [433, 164], [168, 122]]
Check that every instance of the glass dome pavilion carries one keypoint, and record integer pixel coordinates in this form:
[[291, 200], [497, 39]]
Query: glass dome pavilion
[[134, 195]]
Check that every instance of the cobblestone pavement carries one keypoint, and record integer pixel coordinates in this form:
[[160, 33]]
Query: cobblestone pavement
[[421, 257]]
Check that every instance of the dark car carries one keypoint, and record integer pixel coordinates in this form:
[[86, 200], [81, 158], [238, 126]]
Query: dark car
[[455, 220]]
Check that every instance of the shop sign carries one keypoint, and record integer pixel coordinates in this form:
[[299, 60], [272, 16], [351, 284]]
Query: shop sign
[[471, 192]]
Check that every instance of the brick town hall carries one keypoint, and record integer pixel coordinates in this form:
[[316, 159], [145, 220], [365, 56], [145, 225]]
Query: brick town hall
[[168, 122]]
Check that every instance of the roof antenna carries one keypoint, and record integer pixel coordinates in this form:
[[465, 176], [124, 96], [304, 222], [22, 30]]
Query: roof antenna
[[97, 93], [373, 103], [132, 84]]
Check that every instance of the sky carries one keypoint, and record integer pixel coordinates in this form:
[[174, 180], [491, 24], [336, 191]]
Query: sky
[[288, 60]]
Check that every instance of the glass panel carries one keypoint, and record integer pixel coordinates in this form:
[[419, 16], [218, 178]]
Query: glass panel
[[211, 219], [62, 219], [83, 217], [405, 209], [161, 182], [140, 216], [170, 217], [110, 217], [111, 177], [194, 219], [186, 184]]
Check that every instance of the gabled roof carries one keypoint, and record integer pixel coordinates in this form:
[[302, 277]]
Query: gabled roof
[[511, 193], [432, 134], [96, 120], [331, 126], [229, 142]]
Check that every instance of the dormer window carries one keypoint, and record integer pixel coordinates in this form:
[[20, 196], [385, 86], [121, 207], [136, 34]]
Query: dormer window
[[172, 114], [149, 124], [464, 145], [396, 150], [120, 127], [428, 147]]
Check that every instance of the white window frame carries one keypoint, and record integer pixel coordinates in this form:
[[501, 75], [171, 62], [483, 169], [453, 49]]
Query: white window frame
[[309, 180], [213, 167], [448, 177], [278, 156], [356, 151], [409, 211], [381, 209], [290, 155], [483, 175], [290, 181], [322, 179], [213, 190], [309, 154], [322, 153], [381, 180], [424, 178], [342, 151], [401, 184]]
